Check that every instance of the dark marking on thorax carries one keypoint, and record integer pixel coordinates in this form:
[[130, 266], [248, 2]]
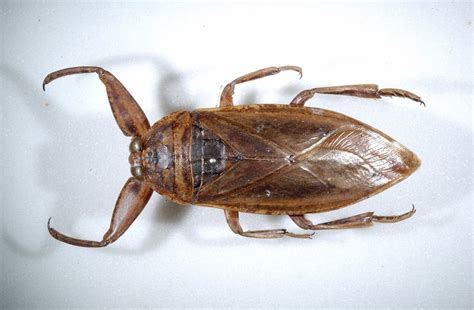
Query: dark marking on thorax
[[210, 156]]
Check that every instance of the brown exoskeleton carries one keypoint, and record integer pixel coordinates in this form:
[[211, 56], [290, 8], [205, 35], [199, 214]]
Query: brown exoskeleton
[[260, 158]]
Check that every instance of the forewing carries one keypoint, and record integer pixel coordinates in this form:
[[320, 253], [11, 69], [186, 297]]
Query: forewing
[[349, 165], [338, 161], [292, 129]]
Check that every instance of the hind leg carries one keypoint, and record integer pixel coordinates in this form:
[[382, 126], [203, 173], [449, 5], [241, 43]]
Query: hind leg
[[356, 221], [362, 90]]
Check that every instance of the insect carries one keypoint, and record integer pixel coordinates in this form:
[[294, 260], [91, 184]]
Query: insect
[[275, 159]]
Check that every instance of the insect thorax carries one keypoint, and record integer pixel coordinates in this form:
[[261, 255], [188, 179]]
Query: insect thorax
[[157, 157]]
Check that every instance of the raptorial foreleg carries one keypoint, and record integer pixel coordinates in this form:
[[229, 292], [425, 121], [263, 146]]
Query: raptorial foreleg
[[131, 201]]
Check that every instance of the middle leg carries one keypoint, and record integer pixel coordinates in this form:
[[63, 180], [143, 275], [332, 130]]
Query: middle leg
[[228, 92], [232, 218]]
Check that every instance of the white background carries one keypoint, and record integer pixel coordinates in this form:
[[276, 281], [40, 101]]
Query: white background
[[63, 155]]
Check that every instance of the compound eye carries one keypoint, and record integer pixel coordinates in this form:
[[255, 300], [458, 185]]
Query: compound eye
[[135, 145], [137, 172]]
